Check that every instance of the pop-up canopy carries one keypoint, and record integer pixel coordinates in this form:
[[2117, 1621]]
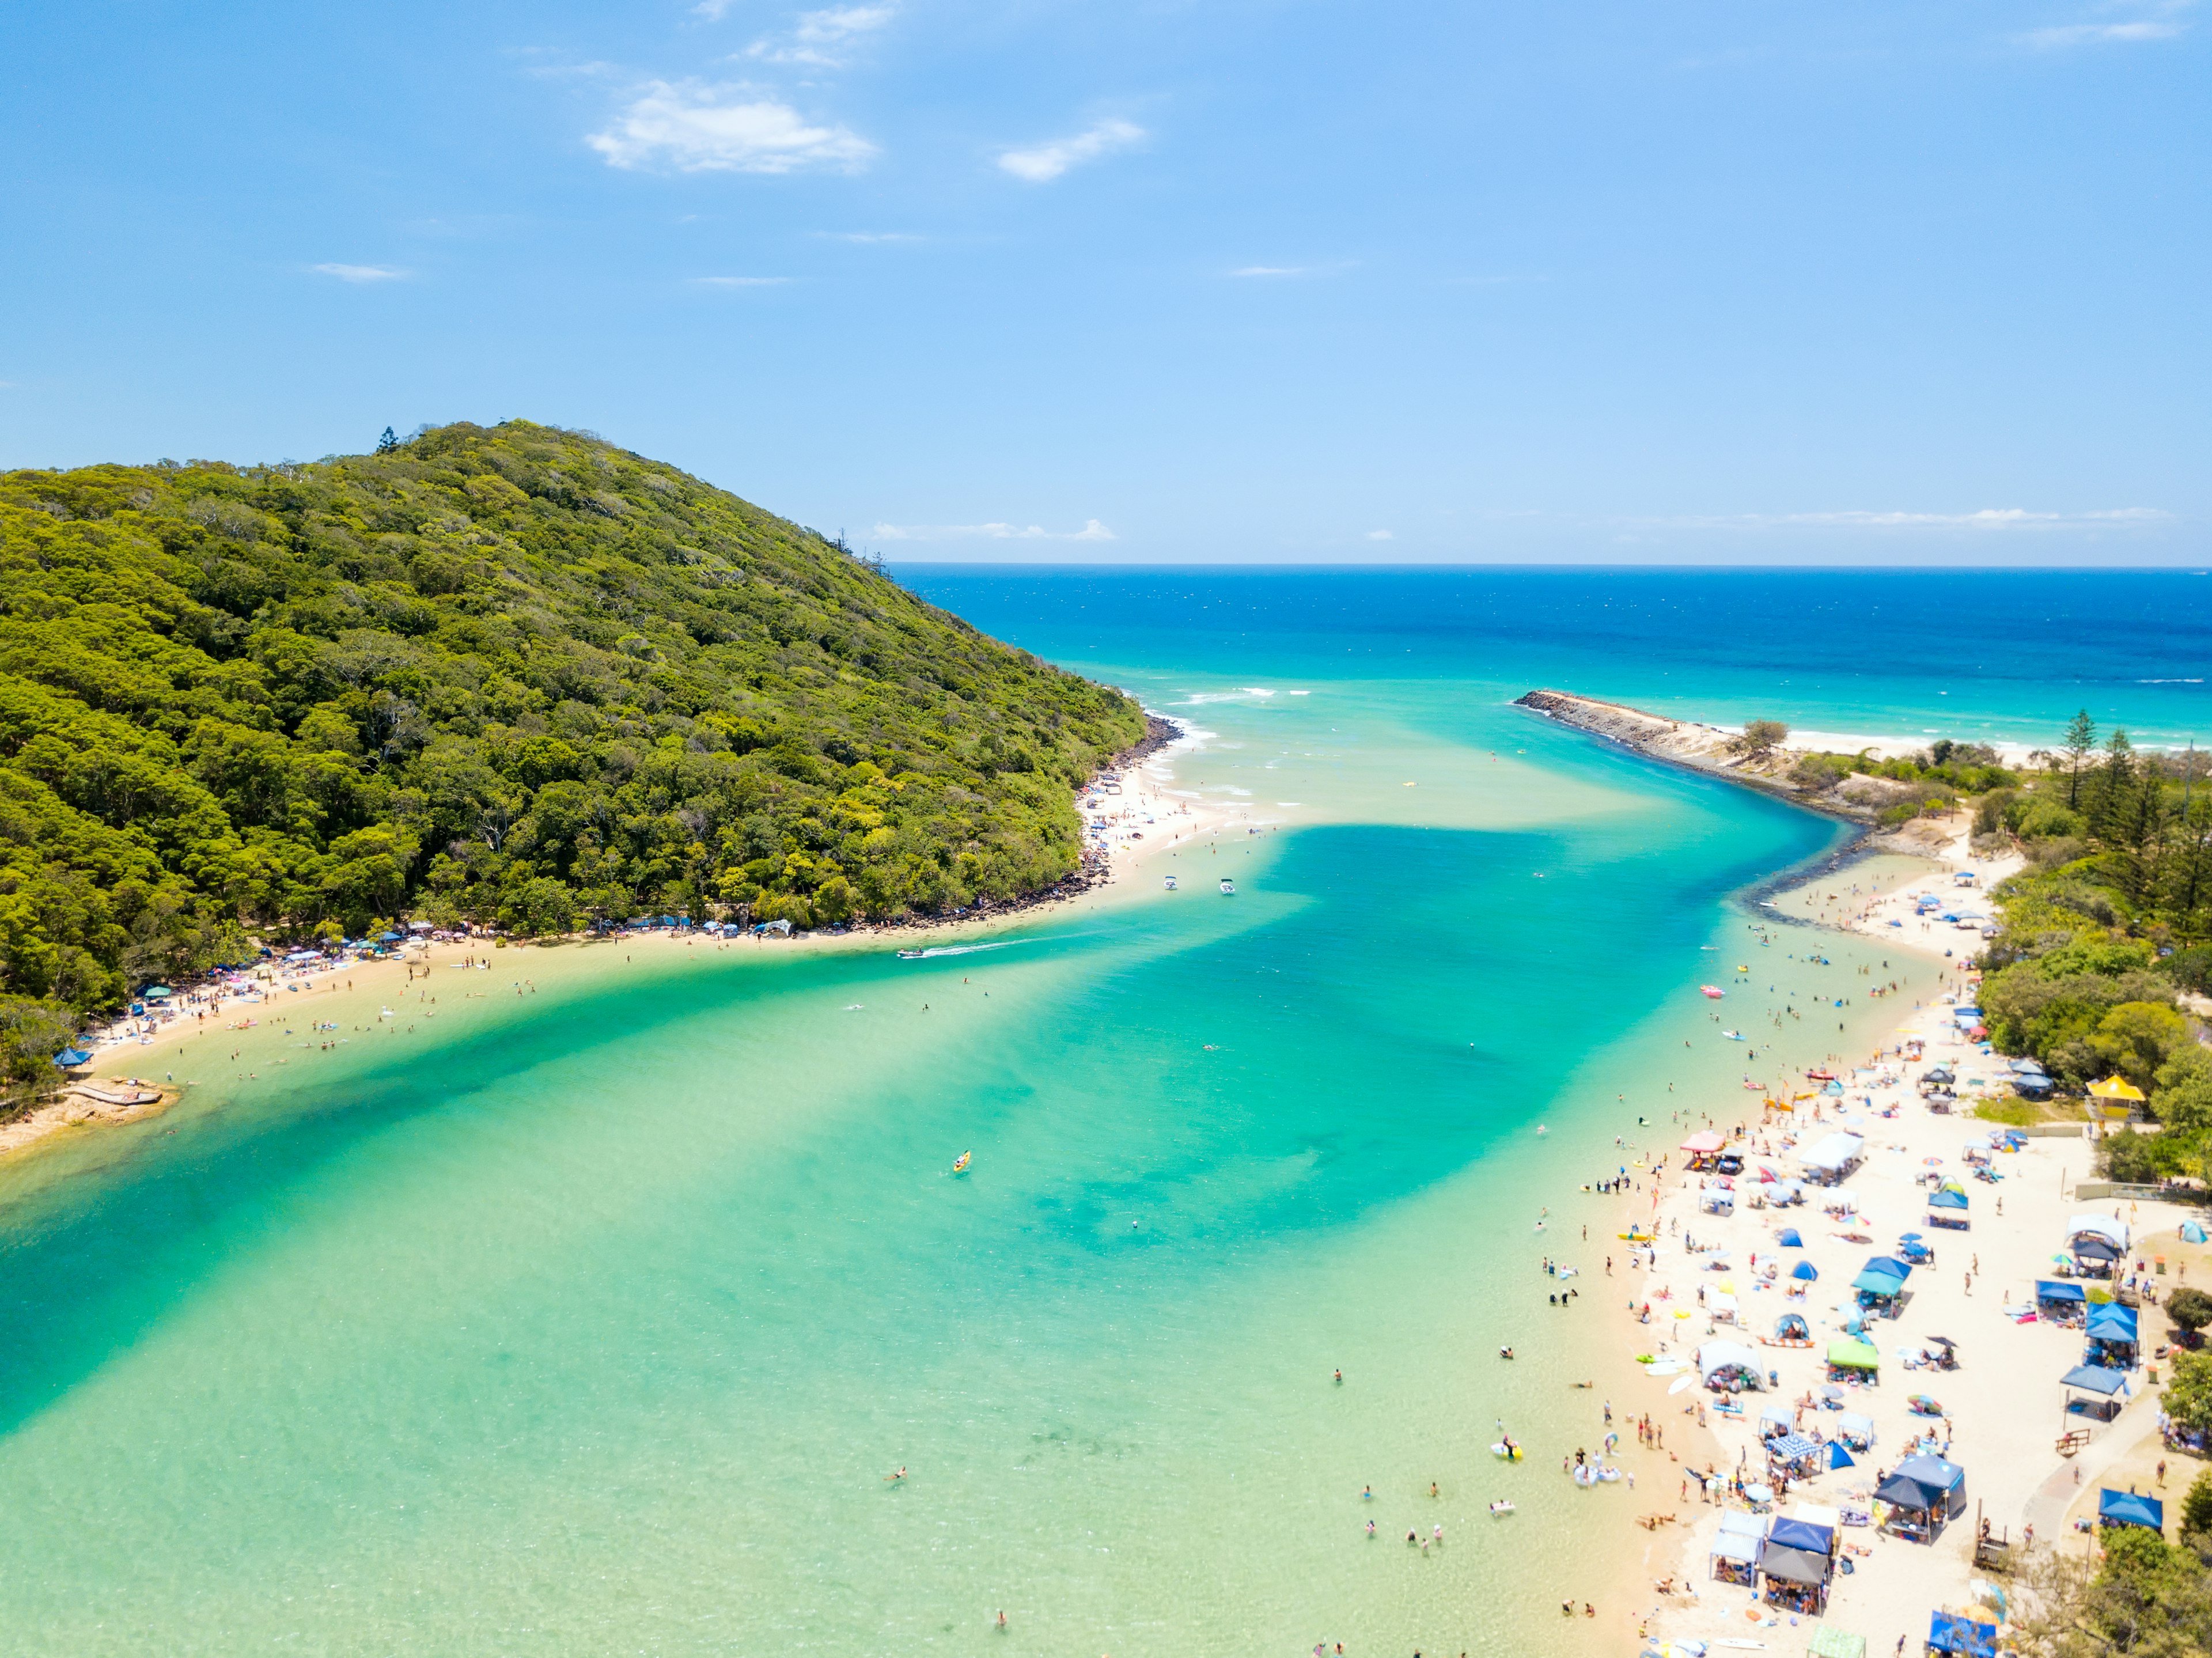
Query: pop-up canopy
[[2128, 1508]]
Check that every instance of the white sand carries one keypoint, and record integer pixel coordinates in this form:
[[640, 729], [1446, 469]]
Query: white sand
[[2002, 1407]]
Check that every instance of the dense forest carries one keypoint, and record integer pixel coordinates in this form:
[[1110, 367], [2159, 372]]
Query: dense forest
[[511, 676]]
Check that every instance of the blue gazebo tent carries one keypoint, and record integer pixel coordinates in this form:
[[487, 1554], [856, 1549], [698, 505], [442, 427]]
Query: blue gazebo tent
[[1891, 1266], [1813, 1537], [2102, 1380], [2111, 1322], [1961, 1636], [2058, 1294], [2104, 1383], [70, 1058], [2128, 1508], [1923, 1491]]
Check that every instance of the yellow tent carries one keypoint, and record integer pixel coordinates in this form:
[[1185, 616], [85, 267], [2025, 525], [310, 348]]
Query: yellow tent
[[2116, 1088]]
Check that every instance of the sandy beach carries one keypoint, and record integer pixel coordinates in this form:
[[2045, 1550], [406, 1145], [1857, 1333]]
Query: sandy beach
[[1729, 1276], [1134, 816]]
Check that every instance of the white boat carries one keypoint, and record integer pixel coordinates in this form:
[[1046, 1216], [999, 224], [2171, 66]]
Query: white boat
[[1170, 883], [1228, 886]]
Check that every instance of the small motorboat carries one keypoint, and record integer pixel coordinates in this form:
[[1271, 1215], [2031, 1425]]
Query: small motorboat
[[960, 1164], [1170, 884], [1712, 993], [1228, 886], [910, 955]]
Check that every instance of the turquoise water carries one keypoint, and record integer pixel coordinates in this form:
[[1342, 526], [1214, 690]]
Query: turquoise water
[[592, 1320]]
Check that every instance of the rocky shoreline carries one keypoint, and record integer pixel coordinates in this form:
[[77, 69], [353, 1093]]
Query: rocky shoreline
[[1717, 751]]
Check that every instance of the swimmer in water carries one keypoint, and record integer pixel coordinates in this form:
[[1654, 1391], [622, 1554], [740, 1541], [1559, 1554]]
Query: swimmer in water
[[1371, 1528], [892, 1479]]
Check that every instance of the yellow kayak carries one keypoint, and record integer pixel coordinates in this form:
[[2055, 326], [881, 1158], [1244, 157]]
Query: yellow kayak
[[960, 1163]]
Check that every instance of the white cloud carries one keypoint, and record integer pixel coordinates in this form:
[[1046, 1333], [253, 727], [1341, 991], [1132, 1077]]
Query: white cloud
[[712, 10], [2157, 19], [1092, 529], [1379, 535], [1987, 518], [1271, 271], [818, 35], [739, 281], [693, 127], [1049, 161], [2086, 34], [361, 273]]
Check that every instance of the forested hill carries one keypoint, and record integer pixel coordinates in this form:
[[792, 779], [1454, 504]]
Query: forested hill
[[511, 675]]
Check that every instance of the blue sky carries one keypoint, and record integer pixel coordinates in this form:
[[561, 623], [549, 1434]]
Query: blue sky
[[1156, 282]]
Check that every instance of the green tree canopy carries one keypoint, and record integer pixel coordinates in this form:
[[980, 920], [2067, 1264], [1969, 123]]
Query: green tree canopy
[[514, 675]]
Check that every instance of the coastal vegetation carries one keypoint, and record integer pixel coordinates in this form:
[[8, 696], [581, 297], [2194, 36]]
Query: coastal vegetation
[[514, 675], [2104, 932]]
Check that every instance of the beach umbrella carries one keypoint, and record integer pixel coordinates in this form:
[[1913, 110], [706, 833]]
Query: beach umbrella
[[1804, 1272]]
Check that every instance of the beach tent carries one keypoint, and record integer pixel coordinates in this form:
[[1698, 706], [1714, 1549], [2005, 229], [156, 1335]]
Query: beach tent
[[2194, 1232], [2118, 1090], [1790, 1238], [1949, 1195], [1828, 1643], [2111, 1322], [2128, 1508], [2109, 1228], [2058, 1290], [70, 1058], [1795, 1565], [1704, 1144], [1735, 1554], [1793, 1448], [1855, 1430], [1801, 1533], [2102, 1380], [1791, 1326], [1779, 1418], [157, 992], [1838, 1456], [1834, 1158], [1880, 1285], [1890, 1267], [1924, 1491], [1961, 1636], [1849, 1355], [1804, 1272], [1721, 1363]]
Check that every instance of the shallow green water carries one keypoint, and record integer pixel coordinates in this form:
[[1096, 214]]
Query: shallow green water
[[592, 1320]]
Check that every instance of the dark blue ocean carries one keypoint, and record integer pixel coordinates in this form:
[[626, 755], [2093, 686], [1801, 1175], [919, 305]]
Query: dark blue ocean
[[1983, 655]]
